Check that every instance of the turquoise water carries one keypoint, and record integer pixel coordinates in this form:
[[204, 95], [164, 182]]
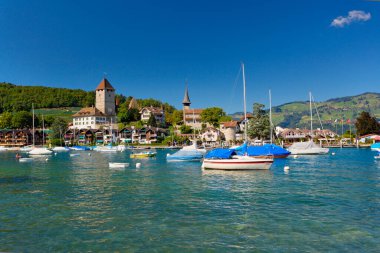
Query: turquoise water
[[325, 203]]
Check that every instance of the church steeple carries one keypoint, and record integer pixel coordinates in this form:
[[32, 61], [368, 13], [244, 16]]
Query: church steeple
[[186, 100]]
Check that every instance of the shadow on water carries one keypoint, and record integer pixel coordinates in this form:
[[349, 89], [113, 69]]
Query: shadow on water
[[17, 179]]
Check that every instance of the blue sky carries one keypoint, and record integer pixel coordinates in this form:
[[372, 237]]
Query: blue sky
[[150, 48]]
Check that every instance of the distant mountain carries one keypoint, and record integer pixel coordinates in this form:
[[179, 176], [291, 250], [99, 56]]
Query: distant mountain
[[297, 114]]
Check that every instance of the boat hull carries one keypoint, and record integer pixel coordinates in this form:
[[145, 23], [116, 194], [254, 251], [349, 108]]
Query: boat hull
[[237, 164], [310, 152]]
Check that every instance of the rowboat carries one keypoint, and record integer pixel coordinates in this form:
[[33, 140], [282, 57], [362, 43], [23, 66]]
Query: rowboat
[[118, 165]]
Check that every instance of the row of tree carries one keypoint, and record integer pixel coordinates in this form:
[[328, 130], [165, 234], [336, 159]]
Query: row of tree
[[14, 98]]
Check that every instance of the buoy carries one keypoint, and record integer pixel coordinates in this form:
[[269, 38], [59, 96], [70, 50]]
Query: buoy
[[47, 159], [55, 153], [167, 154], [332, 153], [89, 154], [286, 168], [295, 156], [138, 165]]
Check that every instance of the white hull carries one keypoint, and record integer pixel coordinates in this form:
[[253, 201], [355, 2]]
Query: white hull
[[61, 149], [40, 151], [316, 151], [25, 160], [106, 149], [118, 165], [238, 163]]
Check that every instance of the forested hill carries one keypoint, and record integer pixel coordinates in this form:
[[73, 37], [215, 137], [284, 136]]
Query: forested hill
[[297, 114], [20, 98]]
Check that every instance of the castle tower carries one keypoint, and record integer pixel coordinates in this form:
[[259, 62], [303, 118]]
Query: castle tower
[[105, 98], [186, 100]]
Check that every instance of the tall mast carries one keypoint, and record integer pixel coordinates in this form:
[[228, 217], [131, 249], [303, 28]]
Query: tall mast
[[245, 105], [33, 124], [43, 130], [311, 117], [270, 116]]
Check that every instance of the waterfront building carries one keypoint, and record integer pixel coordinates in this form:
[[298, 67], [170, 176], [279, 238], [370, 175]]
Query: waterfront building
[[157, 112], [230, 129], [191, 117], [100, 116], [211, 136]]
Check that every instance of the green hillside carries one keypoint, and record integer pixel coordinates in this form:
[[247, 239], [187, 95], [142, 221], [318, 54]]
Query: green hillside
[[297, 114]]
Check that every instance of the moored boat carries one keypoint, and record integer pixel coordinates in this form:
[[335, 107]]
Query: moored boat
[[40, 151], [307, 148], [118, 165], [61, 149], [228, 159], [185, 155], [143, 154]]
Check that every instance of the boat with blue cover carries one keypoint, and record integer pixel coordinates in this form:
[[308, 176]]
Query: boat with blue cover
[[375, 146], [185, 155], [80, 148], [268, 150]]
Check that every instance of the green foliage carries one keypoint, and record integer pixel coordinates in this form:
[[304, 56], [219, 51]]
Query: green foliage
[[225, 119], [126, 115], [6, 120], [20, 98], [259, 126], [22, 119], [185, 129], [366, 124], [212, 115], [152, 121], [174, 118], [58, 127], [170, 140]]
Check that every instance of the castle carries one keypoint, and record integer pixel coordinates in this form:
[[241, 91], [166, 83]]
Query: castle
[[103, 114]]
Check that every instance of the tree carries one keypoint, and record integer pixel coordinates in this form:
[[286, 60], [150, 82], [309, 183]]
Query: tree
[[212, 115], [259, 126], [6, 120], [225, 119], [366, 124], [22, 119], [185, 129], [174, 118], [58, 127], [152, 121]]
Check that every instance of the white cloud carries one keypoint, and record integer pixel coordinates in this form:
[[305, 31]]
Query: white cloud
[[353, 16]]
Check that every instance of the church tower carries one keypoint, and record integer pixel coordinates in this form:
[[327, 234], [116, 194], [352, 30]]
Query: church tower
[[186, 100], [105, 98]]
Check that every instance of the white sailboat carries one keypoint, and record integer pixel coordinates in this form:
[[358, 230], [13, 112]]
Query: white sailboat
[[309, 147], [227, 159], [39, 150]]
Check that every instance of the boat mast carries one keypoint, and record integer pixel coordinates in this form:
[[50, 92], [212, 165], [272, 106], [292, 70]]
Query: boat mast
[[33, 124], [270, 117], [245, 105], [311, 118], [43, 130]]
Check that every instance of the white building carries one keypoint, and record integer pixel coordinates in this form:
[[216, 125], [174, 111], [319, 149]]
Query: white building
[[158, 113], [103, 114]]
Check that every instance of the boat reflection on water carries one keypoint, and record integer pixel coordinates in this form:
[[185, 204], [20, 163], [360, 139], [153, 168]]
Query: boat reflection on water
[[239, 174]]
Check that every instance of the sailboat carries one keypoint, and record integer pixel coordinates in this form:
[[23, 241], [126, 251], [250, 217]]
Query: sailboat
[[309, 147], [230, 159], [39, 150], [269, 149]]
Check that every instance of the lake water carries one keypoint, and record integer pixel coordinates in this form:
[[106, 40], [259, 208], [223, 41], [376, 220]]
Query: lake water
[[324, 203]]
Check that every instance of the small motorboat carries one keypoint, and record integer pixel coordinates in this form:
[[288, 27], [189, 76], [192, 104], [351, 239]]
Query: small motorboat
[[61, 149], [118, 165], [25, 160], [143, 154]]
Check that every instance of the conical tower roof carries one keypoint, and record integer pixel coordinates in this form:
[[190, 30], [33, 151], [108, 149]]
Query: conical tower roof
[[186, 99], [104, 85]]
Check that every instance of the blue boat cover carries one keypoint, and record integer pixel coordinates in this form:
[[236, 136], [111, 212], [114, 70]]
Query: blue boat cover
[[220, 153], [267, 149], [376, 145]]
